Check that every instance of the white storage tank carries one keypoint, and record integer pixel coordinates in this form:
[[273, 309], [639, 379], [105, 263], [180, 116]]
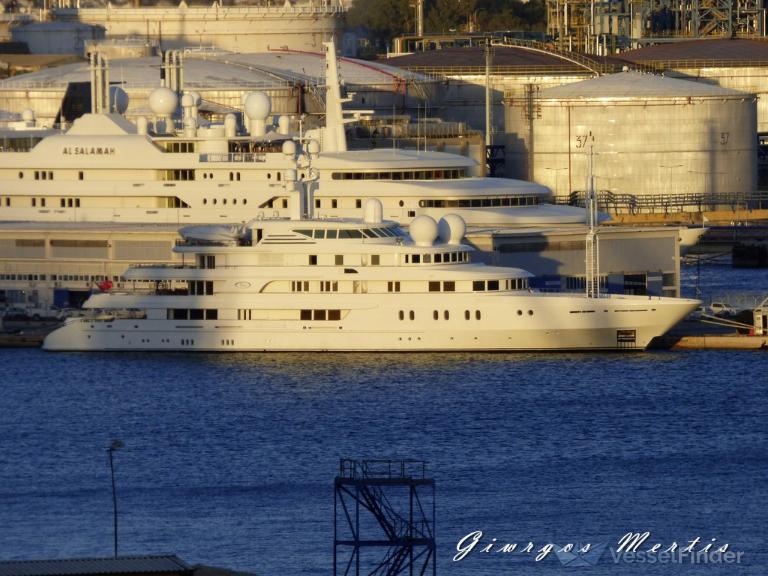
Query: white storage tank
[[651, 135]]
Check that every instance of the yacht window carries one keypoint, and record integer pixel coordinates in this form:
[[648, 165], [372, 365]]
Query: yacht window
[[331, 234], [434, 286], [80, 175], [368, 233], [449, 286], [435, 315], [210, 261], [21, 175], [427, 258], [285, 203], [478, 285], [466, 314], [318, 315], [407, 258], [375, 259], [334, 203], [401, 314], [438, 258], [319, 234], [339, 260], [306, 315], [416, 258], [179, 314], [493, 284], [313, 260], [446, 314], [334, 314], [358, 203], [477, 314], [411, 315], [34, 202], [454, 257], [318, 203], [393, 286], [196, 314], [77, 202]]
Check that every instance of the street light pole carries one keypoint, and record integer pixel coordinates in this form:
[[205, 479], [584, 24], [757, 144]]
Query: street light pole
[[116, 445]]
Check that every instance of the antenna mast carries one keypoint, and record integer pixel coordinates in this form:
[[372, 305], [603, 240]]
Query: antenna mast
[[592, 243]]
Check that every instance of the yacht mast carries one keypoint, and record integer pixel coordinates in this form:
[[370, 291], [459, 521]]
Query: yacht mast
[[335, 140], [592, 243]]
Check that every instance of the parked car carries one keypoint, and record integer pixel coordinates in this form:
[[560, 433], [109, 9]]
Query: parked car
[[721, 309]]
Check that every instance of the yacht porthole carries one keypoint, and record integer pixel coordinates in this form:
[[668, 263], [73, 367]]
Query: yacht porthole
[[243, 284]]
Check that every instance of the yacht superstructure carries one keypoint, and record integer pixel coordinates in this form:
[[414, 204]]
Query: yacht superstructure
[[175, 168], [309, 284]]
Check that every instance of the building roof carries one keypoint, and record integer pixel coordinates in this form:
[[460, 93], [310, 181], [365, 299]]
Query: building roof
[[635, 85], [474, 57], [94, 566], [734, 51], [221, 70]]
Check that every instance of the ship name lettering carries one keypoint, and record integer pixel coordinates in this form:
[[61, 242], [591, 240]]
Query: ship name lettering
[[88, 151]]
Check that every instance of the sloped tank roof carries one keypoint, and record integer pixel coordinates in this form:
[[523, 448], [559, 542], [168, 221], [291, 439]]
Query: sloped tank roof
[[637, 85]]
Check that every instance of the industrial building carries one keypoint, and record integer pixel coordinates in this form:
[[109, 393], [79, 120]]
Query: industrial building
[[655, 140], [290, 78], [246, 27], [607, 27], [740, 64]]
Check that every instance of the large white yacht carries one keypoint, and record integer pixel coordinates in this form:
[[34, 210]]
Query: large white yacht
[[173, 167], [321, 284]]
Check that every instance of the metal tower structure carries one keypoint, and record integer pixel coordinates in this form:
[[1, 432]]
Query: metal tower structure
[[384, 519], [602, 26]]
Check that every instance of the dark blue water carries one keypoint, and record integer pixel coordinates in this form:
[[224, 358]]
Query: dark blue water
[[230, 458]]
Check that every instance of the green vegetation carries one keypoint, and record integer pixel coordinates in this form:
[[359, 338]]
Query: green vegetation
[[388, 18]]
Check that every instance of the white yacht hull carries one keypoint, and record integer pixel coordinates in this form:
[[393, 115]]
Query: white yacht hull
[[558, 322]]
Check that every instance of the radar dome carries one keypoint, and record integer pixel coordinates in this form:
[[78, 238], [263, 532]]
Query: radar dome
[[118, 99], [163, 101], [289, 148], [187, 101], [313, 147], [452, 228], [373, 211], [28, 115], [257, 106], [423, 230]]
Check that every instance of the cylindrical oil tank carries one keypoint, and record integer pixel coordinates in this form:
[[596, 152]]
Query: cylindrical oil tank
[[650, 136]]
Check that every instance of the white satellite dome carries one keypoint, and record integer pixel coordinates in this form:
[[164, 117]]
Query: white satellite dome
[[452, 228], [257, 106], [163, 101], [373, 211], [423, 230], [289, 148], [313, 147], [118, 99]]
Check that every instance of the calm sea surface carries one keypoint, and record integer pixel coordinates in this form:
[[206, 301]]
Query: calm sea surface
[[230, 458]]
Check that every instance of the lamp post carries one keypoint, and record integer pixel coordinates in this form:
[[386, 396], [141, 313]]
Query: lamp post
[[116, 445]]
